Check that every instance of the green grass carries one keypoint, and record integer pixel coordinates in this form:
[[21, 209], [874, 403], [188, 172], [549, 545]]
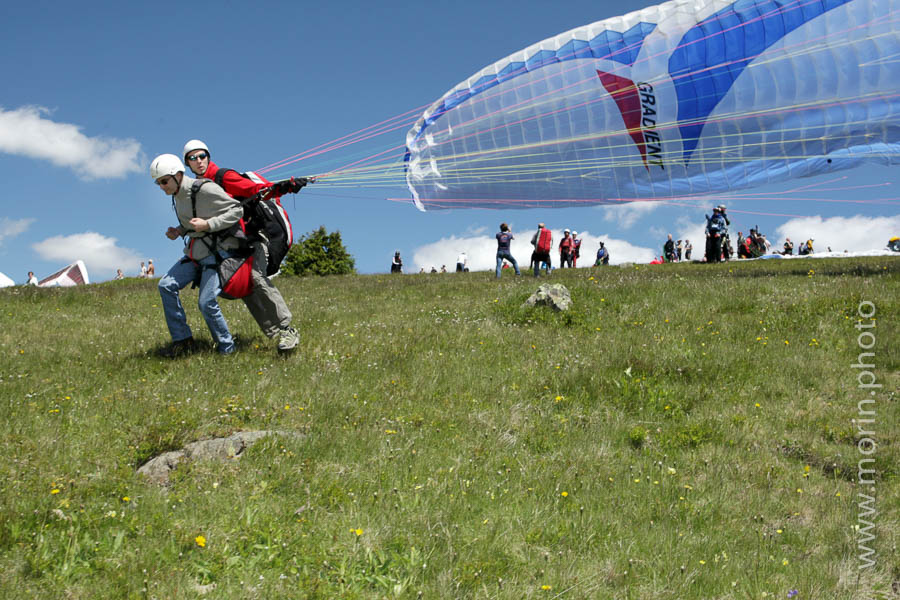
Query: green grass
[[685, 431]]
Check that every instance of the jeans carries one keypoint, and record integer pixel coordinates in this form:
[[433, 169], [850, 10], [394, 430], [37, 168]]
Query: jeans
[[504, 254], [541, 260], [180, 275]]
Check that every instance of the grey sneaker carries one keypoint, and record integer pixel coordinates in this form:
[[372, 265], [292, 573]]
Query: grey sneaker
[[288, 339]]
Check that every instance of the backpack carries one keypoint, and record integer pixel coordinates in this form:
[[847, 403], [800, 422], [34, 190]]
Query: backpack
[[264, 220], [545, 240]]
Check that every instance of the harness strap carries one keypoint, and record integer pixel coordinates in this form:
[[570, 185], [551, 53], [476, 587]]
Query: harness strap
[[214, 249]]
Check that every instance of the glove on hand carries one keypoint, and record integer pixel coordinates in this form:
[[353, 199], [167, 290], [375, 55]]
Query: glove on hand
[[290, 186]]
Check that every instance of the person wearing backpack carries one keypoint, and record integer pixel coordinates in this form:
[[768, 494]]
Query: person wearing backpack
[[542, 240], [715, 231], [209, 213], [265, 302], [602, 256]]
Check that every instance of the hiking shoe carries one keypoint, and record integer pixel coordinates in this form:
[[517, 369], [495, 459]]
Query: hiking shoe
[[178, 348], [288, 339]]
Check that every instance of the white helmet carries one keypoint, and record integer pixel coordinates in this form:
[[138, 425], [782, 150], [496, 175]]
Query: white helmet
[[165, 164], [565, 231], [574, 233], [194, 145]]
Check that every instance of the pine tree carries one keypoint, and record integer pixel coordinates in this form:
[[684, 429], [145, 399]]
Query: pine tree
[[319, 253]]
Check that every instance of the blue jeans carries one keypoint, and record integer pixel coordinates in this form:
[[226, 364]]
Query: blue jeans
[[541, 260], [179, 276], [501, 254]]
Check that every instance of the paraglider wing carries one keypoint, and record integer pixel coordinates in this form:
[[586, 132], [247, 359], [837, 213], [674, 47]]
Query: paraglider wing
[[672, 100], [74, 274]]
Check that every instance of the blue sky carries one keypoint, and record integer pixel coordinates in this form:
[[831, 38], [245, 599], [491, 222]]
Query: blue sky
[[95, 90]]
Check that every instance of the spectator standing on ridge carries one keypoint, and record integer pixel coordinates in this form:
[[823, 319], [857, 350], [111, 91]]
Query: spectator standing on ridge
[[565, 250], [669, 249], [396, 263], [119, 274], [32, 280], [576, 249], [679, 249], [212, 213], [542, 241], [462, 263], [265, 302], [602, 256], [503, 249], [716, 228], [143, 269], [151, 270], [687, 249]]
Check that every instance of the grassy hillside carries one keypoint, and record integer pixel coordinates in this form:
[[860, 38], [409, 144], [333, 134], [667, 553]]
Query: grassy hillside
[[685, 431]]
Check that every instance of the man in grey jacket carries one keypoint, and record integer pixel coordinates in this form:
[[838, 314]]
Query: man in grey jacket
[[206, 223]]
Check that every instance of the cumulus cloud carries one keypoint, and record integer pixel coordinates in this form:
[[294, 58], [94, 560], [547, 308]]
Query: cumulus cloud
[[628, 213], [695, 232], [101, 255], [10, 228], [27, 132], [481, 251], [855, 234]]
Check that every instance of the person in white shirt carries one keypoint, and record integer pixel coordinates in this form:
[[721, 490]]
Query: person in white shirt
[[462, 263]]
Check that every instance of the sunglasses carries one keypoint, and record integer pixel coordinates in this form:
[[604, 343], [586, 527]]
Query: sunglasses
[[164, 181], [198, 156]]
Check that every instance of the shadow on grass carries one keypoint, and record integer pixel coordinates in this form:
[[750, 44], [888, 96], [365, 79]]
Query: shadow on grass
[[201, 347]]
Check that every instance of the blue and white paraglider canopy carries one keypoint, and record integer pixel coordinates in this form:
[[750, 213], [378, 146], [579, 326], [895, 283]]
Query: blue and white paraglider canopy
[[683, 98]]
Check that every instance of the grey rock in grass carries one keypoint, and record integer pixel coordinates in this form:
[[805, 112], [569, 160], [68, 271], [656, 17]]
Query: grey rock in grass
[[554, 295], [157, 469]]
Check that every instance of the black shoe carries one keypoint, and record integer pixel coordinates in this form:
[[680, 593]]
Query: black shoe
[[179, 348]]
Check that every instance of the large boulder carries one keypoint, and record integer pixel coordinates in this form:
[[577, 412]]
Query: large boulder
[[554, 295]]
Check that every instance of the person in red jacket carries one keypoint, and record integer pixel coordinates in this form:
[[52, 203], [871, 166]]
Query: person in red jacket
[[265, 303], [565, 250]]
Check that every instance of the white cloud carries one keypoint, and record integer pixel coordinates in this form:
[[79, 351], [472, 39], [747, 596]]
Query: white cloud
[[100, 254], [685, 229], [10, 228], [855, 234], [628, 213], [482, 251], [25, 131]]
